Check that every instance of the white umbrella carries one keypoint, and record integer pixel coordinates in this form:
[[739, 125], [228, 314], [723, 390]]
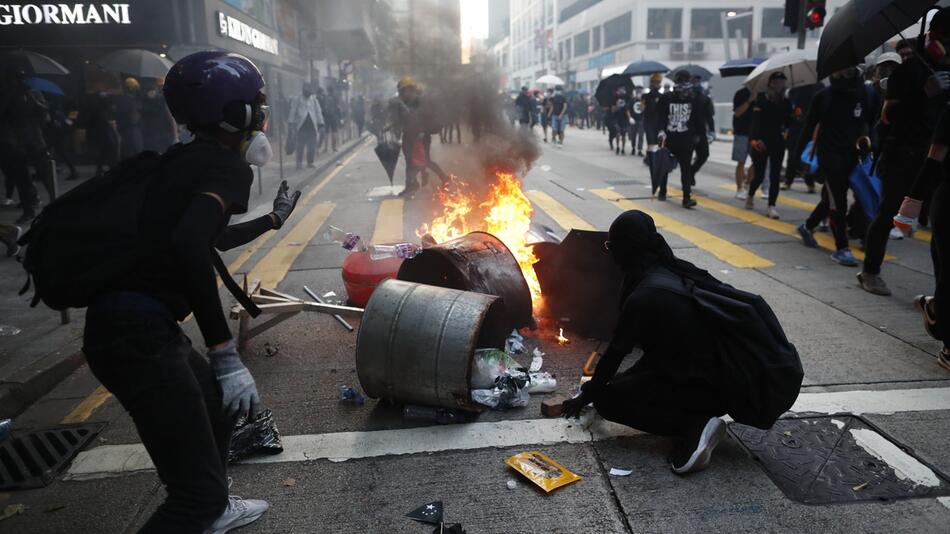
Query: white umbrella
[[799, 66], [137, 62], [549, 79]]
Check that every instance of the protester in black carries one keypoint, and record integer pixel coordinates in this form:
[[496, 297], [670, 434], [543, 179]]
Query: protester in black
[[771, 118], [129, 119], [917, 93], [637, 131], [559, 110], [524, 106], [22, 115], [709, 126], [650, 102], [184, 406], [682, 120], [741, 125], [620, 119], [671, 389], [801, 98], [841, 117], [358, 110]]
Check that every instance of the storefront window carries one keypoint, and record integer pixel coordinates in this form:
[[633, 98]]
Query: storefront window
[[707, 23], [595, 45], [664, 23], [617, 30], [287, 23], [582, 44], [262, 10]]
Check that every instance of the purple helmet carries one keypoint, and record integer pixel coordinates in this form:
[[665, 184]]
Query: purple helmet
[[203, 89]]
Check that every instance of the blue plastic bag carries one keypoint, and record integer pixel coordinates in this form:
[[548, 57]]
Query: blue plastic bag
[[809, 159], [866, 187]]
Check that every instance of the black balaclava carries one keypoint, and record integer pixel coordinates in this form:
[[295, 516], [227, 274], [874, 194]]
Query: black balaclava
[[847, 80], [637, 247]]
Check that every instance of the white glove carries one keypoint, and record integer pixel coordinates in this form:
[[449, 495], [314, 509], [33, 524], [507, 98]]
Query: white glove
[[632, 122], [710, 137]]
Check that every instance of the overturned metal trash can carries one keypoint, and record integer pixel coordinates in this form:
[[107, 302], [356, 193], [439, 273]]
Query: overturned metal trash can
[[477, 262], [416, 343]]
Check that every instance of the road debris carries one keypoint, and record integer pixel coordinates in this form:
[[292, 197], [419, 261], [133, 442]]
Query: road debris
[[271, 350], [259, 436], [512, 484], [552, 407], [428, 513], [8, 330], [442, 416], [860, 487], [542, 470], [617, 472], [351, 395], [289, 483], [11, 510]]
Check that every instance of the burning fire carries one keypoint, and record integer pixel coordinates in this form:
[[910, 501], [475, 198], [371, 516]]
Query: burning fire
[[504, 212], [561, 340]]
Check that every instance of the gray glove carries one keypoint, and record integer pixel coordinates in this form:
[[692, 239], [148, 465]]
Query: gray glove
[[938, 83], [239, 392], [284, 204]]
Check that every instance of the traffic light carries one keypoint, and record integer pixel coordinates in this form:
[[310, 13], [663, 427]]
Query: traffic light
[[792, 14], [815, 14]]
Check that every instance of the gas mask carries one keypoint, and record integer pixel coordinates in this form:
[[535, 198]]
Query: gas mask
[[256, 148], [683, 89]]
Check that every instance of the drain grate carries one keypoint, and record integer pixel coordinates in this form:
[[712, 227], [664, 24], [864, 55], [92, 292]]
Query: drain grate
[[32, 459], [838, 459]]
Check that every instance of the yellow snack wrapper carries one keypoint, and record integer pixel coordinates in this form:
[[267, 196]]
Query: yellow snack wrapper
[[542, 470]]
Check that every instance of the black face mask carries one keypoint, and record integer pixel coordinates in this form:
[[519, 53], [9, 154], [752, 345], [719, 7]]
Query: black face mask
[[846, 84]]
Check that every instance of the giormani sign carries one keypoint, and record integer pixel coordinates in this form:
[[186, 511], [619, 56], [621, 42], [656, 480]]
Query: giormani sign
[[35, 14]]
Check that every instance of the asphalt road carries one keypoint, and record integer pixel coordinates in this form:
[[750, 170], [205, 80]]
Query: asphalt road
[[362, 468]]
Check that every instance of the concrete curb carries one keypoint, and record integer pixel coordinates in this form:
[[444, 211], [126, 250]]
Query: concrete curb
[[31, 383]]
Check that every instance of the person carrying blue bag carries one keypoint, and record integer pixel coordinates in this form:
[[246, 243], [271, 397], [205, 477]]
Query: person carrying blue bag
[[838, 122]]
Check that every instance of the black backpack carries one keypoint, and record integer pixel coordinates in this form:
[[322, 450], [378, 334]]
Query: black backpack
[[759, 369], [90, 237]]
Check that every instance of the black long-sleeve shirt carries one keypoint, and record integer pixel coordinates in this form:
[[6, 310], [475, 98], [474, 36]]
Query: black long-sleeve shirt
[[182, 224], [669, 329], [770, 119]]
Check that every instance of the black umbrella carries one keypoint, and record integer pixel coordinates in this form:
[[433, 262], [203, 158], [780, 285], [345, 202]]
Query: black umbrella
[[32, 63], [695, 71], [606, 93], [388, 154], [860, 26], [740, 67], [139, 63], [642, 68], [661, 165]]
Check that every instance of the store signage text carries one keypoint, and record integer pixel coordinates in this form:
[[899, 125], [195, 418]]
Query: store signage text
[[229, 26], [28, 14]]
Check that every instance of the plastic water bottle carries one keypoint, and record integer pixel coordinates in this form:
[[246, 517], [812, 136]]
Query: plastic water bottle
[[442, 416], [347, 240], [405, 251], [351, 395]]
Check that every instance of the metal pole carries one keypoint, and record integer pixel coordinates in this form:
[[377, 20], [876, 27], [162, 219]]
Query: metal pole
[[725, 35], [278, 119], [339, 319], [802, 30], [738, 35], [260, 182], [751, 29]]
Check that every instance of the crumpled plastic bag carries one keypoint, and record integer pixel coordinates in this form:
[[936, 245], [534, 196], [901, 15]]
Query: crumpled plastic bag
[[509, 392], [259, 436], [488, 365]]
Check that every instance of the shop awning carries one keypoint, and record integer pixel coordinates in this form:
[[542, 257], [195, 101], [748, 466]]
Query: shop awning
[[613, 69], [588, 75]]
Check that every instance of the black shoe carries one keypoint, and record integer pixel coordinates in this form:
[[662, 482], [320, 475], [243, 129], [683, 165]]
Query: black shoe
[[661, 197], [617, 150], [623, 151], [689, 203]]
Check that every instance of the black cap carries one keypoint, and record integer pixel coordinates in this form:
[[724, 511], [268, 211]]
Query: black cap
[[779, 75], [681, 77], [940, 22]]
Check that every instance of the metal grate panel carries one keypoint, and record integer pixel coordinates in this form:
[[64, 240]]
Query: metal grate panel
[[33, 459]]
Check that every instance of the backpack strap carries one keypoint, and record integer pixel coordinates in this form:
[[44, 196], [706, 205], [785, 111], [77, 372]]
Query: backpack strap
[[233, 286]]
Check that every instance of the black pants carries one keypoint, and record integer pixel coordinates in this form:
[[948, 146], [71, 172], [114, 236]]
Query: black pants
[[702, 153], [17, 171], [899, 168], [306, 141], [940, 253], [636, 135], [682, 146], [836, 171], [772, 157], [649, 400], [169, 390]]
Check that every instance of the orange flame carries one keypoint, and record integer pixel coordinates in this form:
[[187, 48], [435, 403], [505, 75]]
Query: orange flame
[[561, 340], [505, 212]]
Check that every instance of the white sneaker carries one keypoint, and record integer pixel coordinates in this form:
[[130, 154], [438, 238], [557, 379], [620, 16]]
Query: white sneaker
[[239, 512], [742, 195], [764, 195], [773, 213], [7, 202], [896, 234], [713, 433]]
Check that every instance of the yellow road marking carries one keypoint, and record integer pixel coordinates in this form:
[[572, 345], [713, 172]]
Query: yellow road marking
[[825, 241], [564, 217], [273, 267], [389, 222], [84, 409], [722, 249], [782, 199]]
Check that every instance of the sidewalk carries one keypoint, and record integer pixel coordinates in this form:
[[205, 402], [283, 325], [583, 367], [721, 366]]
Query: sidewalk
[[45, 351]]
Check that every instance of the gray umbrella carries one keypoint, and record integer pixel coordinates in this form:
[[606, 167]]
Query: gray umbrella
[[861, 26], [695, 71], [137, 62], [32, 63]]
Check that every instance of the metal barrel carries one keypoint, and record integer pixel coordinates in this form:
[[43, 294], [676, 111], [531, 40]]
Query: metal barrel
[[477, 262], [416, 343]]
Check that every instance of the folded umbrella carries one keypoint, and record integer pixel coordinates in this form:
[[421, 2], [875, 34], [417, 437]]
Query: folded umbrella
[[136, 62], [799, 66], [860, 26], [642, 68], [661, 165], [606, 93], [693, 70], [32, 63], [740, 67], [388, 154]]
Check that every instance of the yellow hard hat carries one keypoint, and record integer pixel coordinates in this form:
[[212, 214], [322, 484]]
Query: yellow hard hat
[[406, 81], [656, 77], [132, 84]]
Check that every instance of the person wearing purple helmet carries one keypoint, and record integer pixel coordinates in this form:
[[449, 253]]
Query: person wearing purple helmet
[[185, 405]]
